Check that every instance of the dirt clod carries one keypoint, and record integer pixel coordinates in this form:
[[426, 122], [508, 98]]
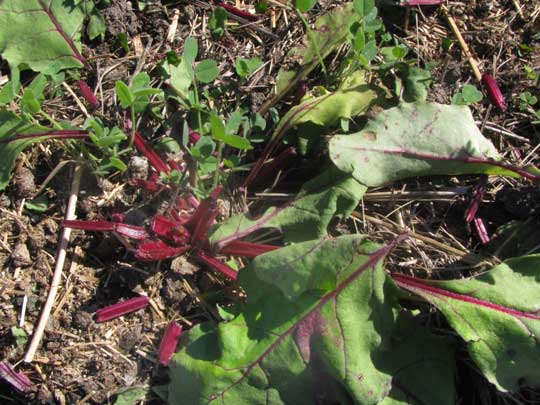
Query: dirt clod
[[21, 255], [25, 183]]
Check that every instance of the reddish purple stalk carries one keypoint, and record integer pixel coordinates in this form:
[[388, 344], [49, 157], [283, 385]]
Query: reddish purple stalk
[[415, 285], [247, 249], [88, 94], [170, 229], [130, 231], [270, 170], [276, 138], [60, 134], [19, 381], [168, 344], [237, 12], [153, 158], [422, 2], [158, 250], [481, 229], [147, 185], [476, 200], [217, 265], [494, 92], [204, 208], [122, 308], [201, 229]]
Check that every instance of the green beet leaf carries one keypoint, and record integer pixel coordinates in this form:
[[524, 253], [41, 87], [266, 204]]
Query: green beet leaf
[[318, 328], [304, 218], [329, 33], [281, 351], [11, 125], [314, 115], [418, 139], [498, 316], [422, 365], [42, 35]]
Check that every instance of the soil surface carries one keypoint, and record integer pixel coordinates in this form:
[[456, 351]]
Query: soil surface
[[81, 361]]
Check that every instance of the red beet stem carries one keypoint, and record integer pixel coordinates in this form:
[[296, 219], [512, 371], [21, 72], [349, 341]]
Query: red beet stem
[[247, 249], [19, 381], [168, 344], [481, 230], [476, 200], [157, 250], [239, 13], [270, 170], [201, 229], [147, 185], [217, 265], [170, 229], [122, 308], [131, 231], [203, 209], [88, 94], [144, 147], [60, 134], [494, 92]]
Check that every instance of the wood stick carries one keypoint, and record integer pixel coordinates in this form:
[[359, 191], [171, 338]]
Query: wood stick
[[57, 275], [463, 44]]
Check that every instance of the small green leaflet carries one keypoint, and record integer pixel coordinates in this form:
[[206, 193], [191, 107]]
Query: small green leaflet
[[191, 49], [124, 94], [206, 71], [305, 5]]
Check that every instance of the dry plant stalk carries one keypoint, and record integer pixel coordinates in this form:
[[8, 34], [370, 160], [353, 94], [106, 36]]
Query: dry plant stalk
[[60, 260], [463, 44]]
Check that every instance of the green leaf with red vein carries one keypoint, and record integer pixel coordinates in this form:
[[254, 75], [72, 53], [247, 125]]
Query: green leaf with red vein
[[10, 126], [497, 314], [419, 139], [306, 217], [307, 335], [42, 35]]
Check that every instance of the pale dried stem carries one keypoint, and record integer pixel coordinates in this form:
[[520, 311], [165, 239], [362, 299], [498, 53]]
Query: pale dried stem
[[463, 44], [60, 260], [466, 256]]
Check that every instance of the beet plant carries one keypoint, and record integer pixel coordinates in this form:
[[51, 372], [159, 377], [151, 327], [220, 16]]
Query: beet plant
[[320, 316]]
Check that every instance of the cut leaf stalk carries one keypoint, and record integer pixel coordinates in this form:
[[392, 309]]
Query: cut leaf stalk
[[153, 158], [117, 310], [158, 250], [19, 381], [87, 93], [168, 344], [130, 231], [494, 92], [217, 265], [203, 209], [247, 249]]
